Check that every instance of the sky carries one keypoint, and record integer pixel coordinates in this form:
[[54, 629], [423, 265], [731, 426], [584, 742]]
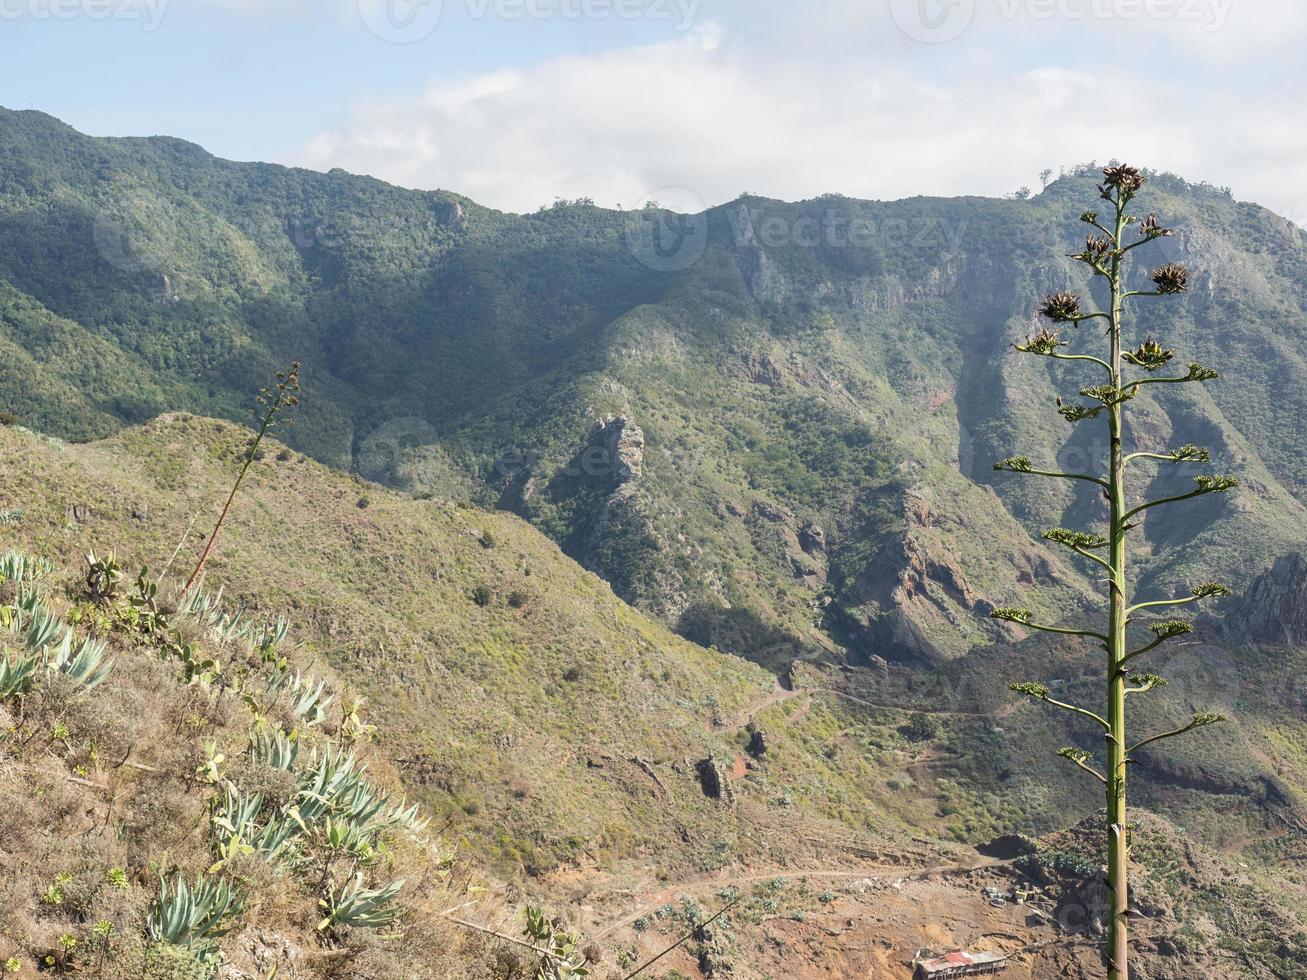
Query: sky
[[516, 103]]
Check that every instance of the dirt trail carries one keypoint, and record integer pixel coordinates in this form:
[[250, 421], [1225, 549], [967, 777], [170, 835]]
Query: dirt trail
[[718, 880], [903, 707], [741, 719]]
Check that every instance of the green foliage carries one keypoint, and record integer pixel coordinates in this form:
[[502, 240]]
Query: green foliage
[[560, 957], [193, 917], [1150, 356], [102, 576], [1014, 464], [1078, 540], [1215, 484], [1078, 413], [1045, 343], [921, 727], [1170, 628], [358, 907], [1190, 454], [17, 675], [1030, 689]]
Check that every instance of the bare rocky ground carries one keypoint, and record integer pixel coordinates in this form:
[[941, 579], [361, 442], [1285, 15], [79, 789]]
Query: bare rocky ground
[[867, 917]]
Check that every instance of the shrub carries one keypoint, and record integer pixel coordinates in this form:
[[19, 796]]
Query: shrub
[[921, 727]]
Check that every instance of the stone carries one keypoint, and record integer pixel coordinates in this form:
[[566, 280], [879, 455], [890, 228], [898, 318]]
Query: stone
[[714, 780], [1274, 609]]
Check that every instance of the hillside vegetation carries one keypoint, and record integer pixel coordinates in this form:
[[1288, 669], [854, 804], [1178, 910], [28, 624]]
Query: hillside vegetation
[[782, 448], [574, 747]]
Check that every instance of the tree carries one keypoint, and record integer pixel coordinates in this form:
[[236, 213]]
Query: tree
[[1045, 176], [1106, 253]]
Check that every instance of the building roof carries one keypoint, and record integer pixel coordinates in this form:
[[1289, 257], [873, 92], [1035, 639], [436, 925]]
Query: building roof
[[958, 958]]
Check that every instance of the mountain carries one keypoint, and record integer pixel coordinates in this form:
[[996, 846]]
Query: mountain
[[669, 544], [572, 753], [780, 448]]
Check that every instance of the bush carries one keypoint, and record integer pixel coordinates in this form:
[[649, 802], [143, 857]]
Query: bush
[[921, 727], [482, 595]]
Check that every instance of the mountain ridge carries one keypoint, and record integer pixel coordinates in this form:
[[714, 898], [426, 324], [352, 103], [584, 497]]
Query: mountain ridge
[[817, 357]]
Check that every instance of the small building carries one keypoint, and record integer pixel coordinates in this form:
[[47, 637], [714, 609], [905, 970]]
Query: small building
[[960, 963]]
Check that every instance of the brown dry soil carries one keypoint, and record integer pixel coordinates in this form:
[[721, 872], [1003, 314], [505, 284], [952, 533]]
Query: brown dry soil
[[864, 924]]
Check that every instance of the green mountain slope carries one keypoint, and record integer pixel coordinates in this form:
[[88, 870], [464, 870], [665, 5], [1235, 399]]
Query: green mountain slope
[[604, 765], [781, 448], [516, 690]]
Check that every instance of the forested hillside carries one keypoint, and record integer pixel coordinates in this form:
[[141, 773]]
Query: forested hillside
[[780, 446], [770, 429]]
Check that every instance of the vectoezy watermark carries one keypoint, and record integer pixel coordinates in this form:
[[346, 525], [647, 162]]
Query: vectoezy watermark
[[938, 21], [149, 13], [409, 21], [668, 230], [133, 235]]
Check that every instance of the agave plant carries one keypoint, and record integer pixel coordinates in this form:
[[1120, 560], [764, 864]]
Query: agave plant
[[20, 568], [195, 917], [345, 836], [278, 750], [207, 609], [17, 676], [82, 662], [269, 637], [358, 907], [335, 783], [36, 625], [407, 817], [237, 833], [276, 841], [308, 702], [235, 816], [329, 778]]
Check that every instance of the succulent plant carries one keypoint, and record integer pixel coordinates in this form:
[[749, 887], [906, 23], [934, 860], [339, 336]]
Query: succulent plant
[[1106, 255], [193, 917], [358, 907]]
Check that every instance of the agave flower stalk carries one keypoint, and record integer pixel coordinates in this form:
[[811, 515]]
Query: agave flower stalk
[[1106, 253], [271, 403]]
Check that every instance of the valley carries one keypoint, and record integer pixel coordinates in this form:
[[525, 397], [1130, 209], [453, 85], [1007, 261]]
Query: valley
[[666, 587]]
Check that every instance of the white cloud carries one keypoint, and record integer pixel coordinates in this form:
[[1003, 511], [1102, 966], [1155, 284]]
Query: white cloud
[[718, 114]]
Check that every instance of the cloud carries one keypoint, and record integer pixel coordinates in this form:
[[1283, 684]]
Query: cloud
[[718, 114]]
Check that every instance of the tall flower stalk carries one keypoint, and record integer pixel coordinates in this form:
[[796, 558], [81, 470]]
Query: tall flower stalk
[[271, 403], [1107, 253]]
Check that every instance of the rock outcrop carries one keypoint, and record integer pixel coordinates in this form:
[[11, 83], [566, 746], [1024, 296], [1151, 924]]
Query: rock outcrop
[[1274, 609], [623, 443], [715, 780]]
